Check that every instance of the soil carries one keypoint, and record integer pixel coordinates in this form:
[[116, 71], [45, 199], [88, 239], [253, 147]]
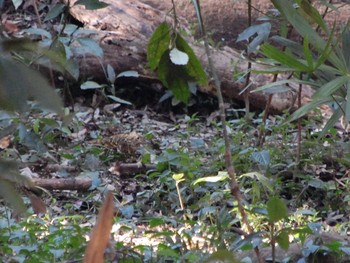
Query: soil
[[226, 19]]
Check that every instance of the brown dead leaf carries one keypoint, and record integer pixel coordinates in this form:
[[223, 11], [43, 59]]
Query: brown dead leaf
[[95, 250], [10, 27], [5, 142], [38, 205]]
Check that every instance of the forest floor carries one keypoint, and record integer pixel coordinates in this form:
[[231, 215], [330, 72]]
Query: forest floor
[[226, 19], [183, 219]]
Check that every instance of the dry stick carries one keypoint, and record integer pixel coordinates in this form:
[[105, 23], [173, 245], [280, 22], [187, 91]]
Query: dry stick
[[228, 161], [299, 122], [247, 80], [262, 134], [261, 138], [324, 14]]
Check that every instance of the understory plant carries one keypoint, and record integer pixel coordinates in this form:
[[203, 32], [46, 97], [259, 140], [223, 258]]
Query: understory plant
[[321, 60]]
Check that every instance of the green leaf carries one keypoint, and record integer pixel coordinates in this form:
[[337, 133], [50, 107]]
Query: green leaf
[[194, 67], [326, 52], [55, 12], [332, 121], [262, 157], [276, 209], [347, 106], [11, 196], [299, 22], [56, 54], [119, 100], [284, 58], [39, 32], [174, 78], [110, 74], [262, 32], [212, 179], [307, 108], [179, 87], [303, 27], [9, 171], [90, 85], [274, 70], [331, 87], [280, 83], [154, 222], [308, 54], [259, 177], [158, 45], [166, 251], [293, 46], [31, 140], [317, 183], [19, 83], [90, 46], [9, 177], [308, 11], [91, 4], [346, 45], [283, 240], [178, 177], [222, 256], [129, 74]]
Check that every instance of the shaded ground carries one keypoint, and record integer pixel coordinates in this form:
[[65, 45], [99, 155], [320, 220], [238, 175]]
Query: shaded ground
[[225, 19]]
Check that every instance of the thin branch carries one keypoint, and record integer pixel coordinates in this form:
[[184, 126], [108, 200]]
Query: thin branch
[[235, 191]]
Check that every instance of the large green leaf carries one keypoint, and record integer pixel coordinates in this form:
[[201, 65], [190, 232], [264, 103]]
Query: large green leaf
[[262, 158], [284, 58], [55, 12], [91, 46], [331, 87], [281, 83], [276, 209], [9, 177], [346, 46], [347, 107], [174, 77], [259, 33], [9, 171], [158, 45], [308, 54], [18, 83], [308, 107], [303, 27], [221, 176], [56, 54], [11, 196], [223, 256], [332, 121], [308, 11], [293, 46], [283, 239], [194, 67]]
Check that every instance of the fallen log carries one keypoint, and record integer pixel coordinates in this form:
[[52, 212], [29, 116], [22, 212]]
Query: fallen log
[[82, 184], [63, 184], [123, 30]]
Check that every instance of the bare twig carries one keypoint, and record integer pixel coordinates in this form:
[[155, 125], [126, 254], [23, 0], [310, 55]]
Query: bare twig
[[228, 160], [249, 67]]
